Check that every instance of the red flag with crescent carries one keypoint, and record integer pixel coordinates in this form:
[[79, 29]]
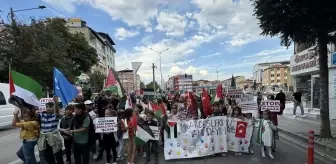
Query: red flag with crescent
[[241, 129]]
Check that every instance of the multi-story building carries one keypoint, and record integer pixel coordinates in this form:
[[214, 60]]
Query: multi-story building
[[181, 82], [98, 40], [238, 80], [127, 80], [259, 68], [244, 84], [277, 75]]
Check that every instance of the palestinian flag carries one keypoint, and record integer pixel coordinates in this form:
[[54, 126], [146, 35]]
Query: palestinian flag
[[25, 88], [171, 129], [218, 94], [113, 83], [143, 134], [156, 109]]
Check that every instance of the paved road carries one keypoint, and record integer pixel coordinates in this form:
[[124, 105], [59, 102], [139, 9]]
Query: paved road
[[287, 153]]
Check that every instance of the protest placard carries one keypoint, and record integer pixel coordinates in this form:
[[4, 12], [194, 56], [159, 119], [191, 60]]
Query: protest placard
[[204, 137], [271, 105], [248, 105], [236, 94], [106, 124], [155, 131], [43, 102]]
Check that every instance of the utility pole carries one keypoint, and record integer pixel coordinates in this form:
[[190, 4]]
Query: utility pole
[[153, 67], [217, 70], [160, 52]]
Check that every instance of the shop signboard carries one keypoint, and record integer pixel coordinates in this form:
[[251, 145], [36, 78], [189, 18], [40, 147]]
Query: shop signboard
[[304, 62]]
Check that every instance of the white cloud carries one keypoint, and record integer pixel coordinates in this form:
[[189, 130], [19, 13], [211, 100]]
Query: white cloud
[[211, 55], [175, 70], [203, 72], [122, 33], [171, 23], [190, 70]]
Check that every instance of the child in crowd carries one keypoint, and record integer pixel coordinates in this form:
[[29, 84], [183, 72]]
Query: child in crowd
[[237, 115], [174, 112], [64, 125], [122, 124], [131, 147], [150, 121], [218, 112], [28, 134], [80, 130], [110, 140], [265, 134]]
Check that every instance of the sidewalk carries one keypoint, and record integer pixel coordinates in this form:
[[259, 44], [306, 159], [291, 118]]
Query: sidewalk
[[298, 128]]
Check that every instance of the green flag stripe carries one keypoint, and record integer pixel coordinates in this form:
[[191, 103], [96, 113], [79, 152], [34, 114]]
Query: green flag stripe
[[27, 83]]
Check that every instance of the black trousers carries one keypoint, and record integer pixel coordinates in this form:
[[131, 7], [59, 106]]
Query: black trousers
[[108, 154], [152, 145], [81, 153], [68, 148], [51, 157]]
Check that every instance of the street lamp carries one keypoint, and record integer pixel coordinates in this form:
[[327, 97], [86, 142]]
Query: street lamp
[[160, 52], [217, 69]]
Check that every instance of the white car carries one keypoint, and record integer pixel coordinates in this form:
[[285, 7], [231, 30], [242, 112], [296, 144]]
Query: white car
[[6, 109]]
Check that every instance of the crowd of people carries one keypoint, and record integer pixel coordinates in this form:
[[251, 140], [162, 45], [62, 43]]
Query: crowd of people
[[75, 130]]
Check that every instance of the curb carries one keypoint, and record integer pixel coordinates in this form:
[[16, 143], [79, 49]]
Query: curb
[[325, 147]]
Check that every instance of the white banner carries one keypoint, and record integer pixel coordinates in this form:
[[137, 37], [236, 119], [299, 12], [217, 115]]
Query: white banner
[[106, 124], [271, 105], [204, 137], [248, 105]]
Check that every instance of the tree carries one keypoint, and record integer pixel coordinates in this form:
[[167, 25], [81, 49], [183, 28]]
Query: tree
[[36, 48], [233, 83], [304, 22], [151, 85], [142, 85], [96, 80]]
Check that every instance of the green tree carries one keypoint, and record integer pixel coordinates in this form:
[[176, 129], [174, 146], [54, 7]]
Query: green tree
[[142, 84], [36, 48], [151, 85], [304, 22], [96, 81]]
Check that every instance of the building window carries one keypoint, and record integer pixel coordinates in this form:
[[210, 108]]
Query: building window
[[272, 69], [272, 75], [278, 81], [278, 74], [285, 74], [272, 81]]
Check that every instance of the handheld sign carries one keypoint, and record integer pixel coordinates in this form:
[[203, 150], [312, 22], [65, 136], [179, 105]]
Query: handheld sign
[[271, 105], [248, 106], [106, 124], [236, 94]]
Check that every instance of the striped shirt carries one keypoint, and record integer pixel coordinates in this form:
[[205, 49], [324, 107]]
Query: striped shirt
[[49, 122]]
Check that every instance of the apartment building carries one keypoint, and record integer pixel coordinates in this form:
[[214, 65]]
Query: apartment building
[[102, 42], [127, 81], [277, 75]]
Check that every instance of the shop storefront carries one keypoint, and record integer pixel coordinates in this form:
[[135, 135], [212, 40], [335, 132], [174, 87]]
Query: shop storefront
[[305, 74], [304, 70]]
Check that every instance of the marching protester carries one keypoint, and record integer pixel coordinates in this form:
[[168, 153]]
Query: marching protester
[[265, 135], [282, 98], [110, 140], [80, 131], [218, 112], [151, 144], [121, 133], [50, 141], [28, 135], [174, 112], [131, 147], [65, 124], [237, 115]]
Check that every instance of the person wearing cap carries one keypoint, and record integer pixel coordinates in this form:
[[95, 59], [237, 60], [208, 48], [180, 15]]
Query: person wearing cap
[[50, 141]]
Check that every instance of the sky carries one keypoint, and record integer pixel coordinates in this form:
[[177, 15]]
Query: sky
[[202, 36]]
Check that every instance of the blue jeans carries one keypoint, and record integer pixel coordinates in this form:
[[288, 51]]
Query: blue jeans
[[26, 152]]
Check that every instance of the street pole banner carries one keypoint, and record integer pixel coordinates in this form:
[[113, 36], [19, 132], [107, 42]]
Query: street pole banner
[[106, 124], [236, 94], [204, 137], [271, 105], [248, 105]]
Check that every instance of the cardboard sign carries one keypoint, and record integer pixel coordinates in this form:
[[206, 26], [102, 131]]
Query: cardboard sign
[[271, 105], [248, 105], [235, 94], [106, 124]]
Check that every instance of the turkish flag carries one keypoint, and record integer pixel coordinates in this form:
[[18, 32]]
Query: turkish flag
[[241, 129]]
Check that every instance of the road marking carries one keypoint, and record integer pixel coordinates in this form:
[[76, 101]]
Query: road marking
[[20, 161]]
